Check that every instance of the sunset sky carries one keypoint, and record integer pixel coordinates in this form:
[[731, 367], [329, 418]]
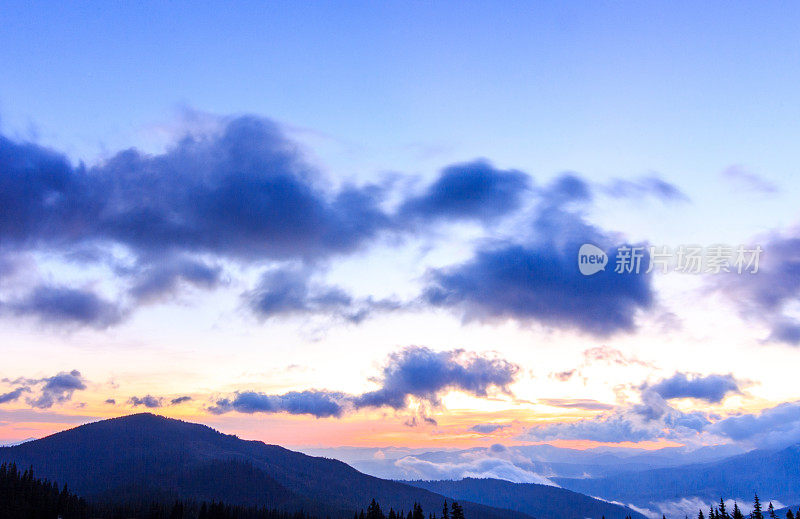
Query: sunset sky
[[319, 225]]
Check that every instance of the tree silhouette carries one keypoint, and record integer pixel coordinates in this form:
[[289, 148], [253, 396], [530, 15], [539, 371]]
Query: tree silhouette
[[756, 509]]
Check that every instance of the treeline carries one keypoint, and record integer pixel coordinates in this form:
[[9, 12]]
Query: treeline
[[374, 511], [189, 510], [23, 496], [721, 512]]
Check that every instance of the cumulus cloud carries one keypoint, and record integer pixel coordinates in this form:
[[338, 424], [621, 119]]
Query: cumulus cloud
[[497, 461], [473, 190], [320, 404], [537, 280], [49, 391], [244, 193], [63, 305], [654, 418], [425, 374], [485, 467], [414, 372], [651, 419], [711, 388], [240, 192], [772, 427], [148, 401], [13, 395]]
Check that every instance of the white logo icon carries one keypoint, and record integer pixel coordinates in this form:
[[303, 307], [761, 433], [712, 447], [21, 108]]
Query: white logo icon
[[591, 259]]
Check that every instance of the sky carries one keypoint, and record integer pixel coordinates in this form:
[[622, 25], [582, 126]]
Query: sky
[[358, 224]]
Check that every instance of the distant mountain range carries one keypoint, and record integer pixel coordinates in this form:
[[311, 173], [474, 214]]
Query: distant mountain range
[[775, 475], [543, 501]]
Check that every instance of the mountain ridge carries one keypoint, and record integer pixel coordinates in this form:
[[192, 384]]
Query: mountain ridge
[[149, 456]]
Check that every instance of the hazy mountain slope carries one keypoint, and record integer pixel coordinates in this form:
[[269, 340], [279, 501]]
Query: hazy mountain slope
[[540, 501], [773, 474]]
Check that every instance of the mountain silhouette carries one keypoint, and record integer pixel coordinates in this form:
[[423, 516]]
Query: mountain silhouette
[[145, 457]]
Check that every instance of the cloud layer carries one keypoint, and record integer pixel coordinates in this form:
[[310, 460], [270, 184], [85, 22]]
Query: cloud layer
[[416, 372], [243, 193]]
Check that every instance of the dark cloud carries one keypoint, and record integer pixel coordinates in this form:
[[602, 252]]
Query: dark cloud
[[646, 186], [425, 374], [541, 284], [164, 277], [291, 291], [565, 188], [148, 401], [180, 400], [767, 295], [244, 193], [538, 280], [62, 305], [111, 401], [473, 190], [416, 372], [56, 389], [34, 184], [13, 395], [320, 404], [488, 428], [711, 388]]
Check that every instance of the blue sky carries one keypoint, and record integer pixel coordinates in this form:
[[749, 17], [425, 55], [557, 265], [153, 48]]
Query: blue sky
[[365, 120]]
